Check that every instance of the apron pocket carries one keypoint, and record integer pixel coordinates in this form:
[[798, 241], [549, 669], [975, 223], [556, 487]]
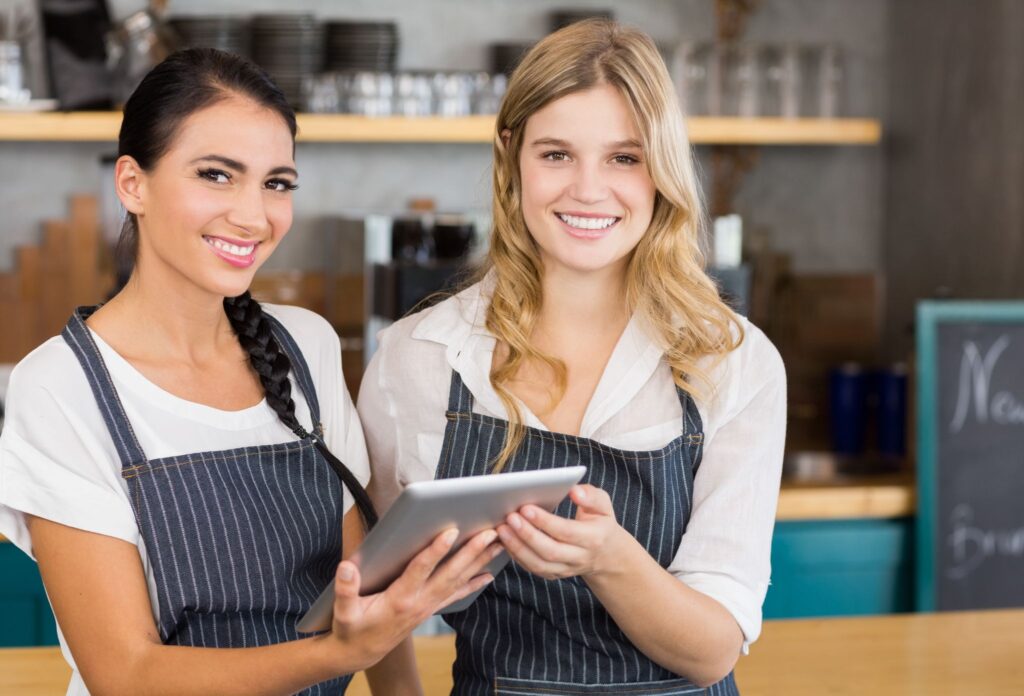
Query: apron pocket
[[508, 686]]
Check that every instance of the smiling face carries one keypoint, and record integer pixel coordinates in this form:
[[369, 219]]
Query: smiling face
[[218, 202], [587, 198]]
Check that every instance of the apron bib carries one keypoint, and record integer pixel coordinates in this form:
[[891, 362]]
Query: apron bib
[[527, 636], [241, 541]]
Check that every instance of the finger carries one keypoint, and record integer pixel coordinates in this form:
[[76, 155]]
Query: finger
[[423, 564], [346, 591], [544, 546], [558, 528], [527, 557], [468, 561], [591, 499], [477, 583]]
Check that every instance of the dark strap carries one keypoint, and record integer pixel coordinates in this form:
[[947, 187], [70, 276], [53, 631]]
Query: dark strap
[[300, 368], [460, 400], [77, 335]]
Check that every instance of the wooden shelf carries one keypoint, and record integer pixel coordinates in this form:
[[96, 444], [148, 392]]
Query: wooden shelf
[[340, 128]]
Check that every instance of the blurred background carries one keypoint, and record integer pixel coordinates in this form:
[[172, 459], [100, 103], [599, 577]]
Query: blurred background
[[858, 158]]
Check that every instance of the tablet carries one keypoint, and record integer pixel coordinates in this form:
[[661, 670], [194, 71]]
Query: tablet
[[427, 508]]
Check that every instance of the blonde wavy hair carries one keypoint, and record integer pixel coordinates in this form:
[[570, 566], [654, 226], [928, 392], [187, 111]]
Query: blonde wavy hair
[[666, 281]]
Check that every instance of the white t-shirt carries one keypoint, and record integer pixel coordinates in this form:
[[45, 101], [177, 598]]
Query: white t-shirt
[[725, 552], [58, 461]]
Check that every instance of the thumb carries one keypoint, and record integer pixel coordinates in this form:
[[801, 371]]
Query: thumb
[[346, 590], [591, 502]]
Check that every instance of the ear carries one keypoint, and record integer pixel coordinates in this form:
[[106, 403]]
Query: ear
[[129, 180]]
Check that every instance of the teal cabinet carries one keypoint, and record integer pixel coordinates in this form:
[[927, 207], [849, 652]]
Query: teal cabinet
[[841, 568], [25, 615]]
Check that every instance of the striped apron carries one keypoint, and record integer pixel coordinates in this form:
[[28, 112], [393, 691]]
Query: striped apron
[[240, 541], [527, 636]]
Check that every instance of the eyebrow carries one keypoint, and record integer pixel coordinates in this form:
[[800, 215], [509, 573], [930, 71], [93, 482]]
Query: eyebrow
[[555, 142], [239, 167]]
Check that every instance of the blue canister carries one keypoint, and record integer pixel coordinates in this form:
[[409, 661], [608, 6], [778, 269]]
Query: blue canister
[[892, 410], [848, 408]]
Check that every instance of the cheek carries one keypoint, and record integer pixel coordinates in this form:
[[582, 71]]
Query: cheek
[[540, 188], [280, 214]]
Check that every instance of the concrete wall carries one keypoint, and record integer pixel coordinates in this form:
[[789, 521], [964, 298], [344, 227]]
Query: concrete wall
[[954, 222], [824, 205]]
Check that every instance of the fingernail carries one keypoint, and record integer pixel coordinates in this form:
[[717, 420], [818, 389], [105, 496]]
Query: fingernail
[[345, 572], [450, 536], [515, 521], [580, 493], [489, 536]]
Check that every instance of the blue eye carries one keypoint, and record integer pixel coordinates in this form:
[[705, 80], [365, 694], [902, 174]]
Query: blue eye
[[215, 175]]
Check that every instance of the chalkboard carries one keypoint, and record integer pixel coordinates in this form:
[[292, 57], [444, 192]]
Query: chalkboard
[[970, 402]]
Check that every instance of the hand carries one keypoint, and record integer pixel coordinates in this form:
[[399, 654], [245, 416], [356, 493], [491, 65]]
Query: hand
[[373, 625], [554, 547]]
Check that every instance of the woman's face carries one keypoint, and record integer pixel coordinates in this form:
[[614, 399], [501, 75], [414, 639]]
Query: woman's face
[[586, 195], [219, 200]]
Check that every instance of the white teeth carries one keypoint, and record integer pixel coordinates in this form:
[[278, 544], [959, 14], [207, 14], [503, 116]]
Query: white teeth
[[231, 248], [587, 223]]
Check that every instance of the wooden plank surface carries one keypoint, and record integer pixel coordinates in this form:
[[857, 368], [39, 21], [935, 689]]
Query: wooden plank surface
[[900, 655], [103, 126], [855, 500]]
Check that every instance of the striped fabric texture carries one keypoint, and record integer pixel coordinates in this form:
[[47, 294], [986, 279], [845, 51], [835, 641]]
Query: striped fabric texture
[[527, 636], [241, 541]]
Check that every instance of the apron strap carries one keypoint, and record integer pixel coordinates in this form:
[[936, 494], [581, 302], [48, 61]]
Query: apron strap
[[300, 368], [460, 400], [693, 426], [77, 335]]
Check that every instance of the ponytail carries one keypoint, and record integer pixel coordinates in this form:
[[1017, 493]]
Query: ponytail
[[272, 366]]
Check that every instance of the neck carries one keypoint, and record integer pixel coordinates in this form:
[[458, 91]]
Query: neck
[[175, 320], [583, 304]]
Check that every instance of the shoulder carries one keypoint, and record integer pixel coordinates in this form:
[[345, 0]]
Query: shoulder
[[308, 328], [51, 369], [447, 324], [753, 368]]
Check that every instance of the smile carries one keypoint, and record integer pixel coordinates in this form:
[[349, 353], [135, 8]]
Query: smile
[[241, 256], [587, 223]]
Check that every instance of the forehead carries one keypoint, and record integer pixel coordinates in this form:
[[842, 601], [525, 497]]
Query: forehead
[[597, 115], [238, 128]]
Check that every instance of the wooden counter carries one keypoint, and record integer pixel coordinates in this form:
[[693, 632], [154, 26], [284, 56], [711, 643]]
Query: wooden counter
[[851, 498], [901, 655]]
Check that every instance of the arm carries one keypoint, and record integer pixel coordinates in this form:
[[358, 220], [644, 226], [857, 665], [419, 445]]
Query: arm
[[97, 587], [624, 577]]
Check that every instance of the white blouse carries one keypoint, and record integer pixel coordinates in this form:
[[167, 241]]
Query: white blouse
[[725, 551], [58, 460]]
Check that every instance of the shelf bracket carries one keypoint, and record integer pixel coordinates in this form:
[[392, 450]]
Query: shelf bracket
[[731, 17], [729, 164]]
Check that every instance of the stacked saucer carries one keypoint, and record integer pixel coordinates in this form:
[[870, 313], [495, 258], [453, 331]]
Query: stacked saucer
[[229, 34], [361, 46], [290, 48]]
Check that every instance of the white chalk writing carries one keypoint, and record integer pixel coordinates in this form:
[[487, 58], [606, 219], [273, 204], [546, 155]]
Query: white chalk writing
[[975, 386], [972, 546]]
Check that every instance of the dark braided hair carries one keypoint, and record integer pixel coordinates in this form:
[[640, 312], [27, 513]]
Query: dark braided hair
[[272, 365], [183, 84]]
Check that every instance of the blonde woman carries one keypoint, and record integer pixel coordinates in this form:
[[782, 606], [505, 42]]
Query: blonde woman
[[595, 337]]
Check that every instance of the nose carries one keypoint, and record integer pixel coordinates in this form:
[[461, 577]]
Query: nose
[[249, 211], [588, 185]]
